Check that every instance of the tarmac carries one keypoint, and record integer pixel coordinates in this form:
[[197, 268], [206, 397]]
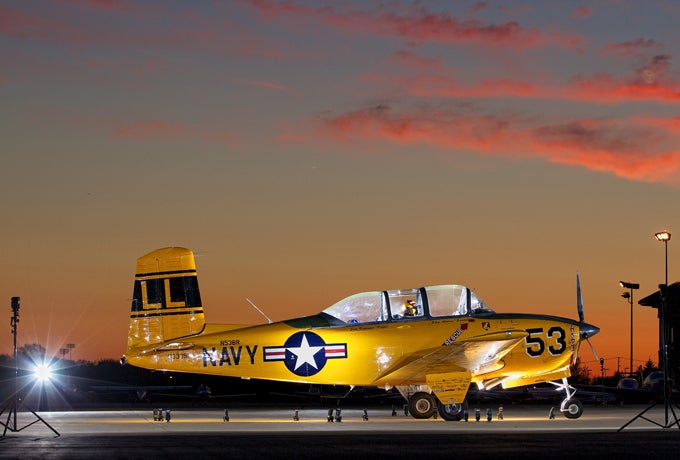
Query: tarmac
[[523, 432]]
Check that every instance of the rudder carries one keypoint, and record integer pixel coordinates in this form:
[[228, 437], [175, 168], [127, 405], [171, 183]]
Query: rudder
[[166, 302]]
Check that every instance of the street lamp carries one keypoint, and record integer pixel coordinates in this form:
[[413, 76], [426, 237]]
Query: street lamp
[[629, 297]]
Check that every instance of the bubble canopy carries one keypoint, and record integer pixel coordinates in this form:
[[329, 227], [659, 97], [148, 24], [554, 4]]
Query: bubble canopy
[[407, 304]]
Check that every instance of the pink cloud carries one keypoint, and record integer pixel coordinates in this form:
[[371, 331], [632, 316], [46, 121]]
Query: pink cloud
[[631, 150], [17, 24], [106, 5], [479, 7], [411, 59], [267, 85], [206, 35], [438, 86], [583, 11], [417, 24], [633, 47], [652, 81]]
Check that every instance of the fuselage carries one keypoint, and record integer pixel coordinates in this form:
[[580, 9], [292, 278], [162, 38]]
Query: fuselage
[[443, 337], [367, 354]]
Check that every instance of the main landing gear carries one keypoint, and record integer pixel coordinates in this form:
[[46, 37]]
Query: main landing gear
[[424, 405]]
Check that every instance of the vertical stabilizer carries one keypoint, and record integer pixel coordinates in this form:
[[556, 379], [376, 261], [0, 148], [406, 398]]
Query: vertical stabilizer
[[166, 302]]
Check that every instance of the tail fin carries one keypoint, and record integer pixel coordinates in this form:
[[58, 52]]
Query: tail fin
[[166, 302]]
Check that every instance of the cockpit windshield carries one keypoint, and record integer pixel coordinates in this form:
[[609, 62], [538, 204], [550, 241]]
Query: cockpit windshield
[[367, 307], [477, 306], [405, 304]]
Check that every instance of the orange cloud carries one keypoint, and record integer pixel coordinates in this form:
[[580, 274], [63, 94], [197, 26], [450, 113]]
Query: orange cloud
[[628, 151], [631, 150], [651, 81]]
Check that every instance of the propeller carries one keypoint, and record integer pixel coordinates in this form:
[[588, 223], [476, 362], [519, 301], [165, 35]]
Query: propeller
[[586, 330]]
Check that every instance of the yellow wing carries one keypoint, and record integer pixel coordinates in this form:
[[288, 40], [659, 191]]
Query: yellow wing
[[479, 354]]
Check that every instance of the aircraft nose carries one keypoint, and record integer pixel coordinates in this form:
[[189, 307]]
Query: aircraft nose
[[588, 330]]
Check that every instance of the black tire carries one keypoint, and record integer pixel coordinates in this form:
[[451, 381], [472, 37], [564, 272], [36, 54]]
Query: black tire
[[572, 408], [422, 405], [452, 412]]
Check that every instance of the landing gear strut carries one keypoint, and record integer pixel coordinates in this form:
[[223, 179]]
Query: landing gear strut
[[570, 407]]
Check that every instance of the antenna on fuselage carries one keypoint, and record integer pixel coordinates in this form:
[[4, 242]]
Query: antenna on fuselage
[[260, 311]]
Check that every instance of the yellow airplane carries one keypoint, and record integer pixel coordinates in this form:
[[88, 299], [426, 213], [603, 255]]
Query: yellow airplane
[[429, 343]]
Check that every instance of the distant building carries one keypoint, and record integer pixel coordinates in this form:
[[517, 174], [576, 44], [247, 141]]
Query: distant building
[[672, 326]]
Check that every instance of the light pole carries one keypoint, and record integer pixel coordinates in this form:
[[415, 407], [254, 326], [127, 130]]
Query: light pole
[[665, 237], [629, 297], [70, 347]]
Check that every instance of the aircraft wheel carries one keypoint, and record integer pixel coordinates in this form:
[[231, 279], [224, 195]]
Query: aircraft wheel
[[572, 408], [422, 405], [452, 412]]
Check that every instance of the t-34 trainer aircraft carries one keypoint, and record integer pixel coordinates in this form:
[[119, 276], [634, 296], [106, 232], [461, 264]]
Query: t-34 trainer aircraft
[[430, 343]]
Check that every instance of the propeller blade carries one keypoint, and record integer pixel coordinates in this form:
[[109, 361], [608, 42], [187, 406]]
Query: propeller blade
[[586, 330], [579, 299], [592, 348]]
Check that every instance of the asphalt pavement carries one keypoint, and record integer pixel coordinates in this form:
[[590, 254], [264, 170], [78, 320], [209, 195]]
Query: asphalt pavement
[[523, 432]]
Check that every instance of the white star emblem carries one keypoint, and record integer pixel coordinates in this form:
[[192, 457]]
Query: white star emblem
[[305, 353]]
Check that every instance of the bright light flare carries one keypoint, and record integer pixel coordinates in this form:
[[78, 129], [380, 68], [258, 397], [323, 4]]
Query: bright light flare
[[43, 372]]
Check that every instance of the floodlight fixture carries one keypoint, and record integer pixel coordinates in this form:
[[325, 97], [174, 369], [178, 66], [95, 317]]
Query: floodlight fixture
[[663, 236], [42, 372], [627, 285]]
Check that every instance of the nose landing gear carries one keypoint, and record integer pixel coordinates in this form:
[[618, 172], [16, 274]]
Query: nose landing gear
[[570, 407]]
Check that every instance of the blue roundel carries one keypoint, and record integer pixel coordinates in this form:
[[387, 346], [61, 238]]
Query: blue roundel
[[305, 353]]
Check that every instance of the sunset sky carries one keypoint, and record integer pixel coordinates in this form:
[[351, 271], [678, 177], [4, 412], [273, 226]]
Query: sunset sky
[[309, 150]]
